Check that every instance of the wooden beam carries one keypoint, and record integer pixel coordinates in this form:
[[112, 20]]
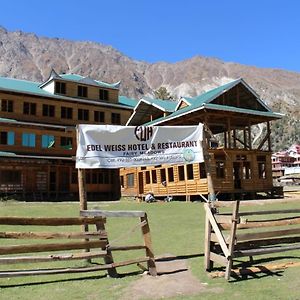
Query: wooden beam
[[269, 137], [114, 214]]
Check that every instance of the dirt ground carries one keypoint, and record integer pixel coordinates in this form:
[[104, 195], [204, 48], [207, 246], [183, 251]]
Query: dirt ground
[[174, 279]]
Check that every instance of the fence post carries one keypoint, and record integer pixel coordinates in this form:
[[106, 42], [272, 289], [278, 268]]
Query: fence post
[[148, 244]]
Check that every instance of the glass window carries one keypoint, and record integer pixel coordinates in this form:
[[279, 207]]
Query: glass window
[[66, 112], [60, 87], [29, 108], [163, 175], [47, 141], [261, 170], [130, 180], [66, 142], [202, 170], [28, 139], [147, 177], [171, 174], [99, 116], [190, 172], [7, 138], [181, 173], [246, 170], [48, 110], [82, 91], [220, 169], [115, 118], [103, 94], [154, 178], [7, 105], [83, 114]]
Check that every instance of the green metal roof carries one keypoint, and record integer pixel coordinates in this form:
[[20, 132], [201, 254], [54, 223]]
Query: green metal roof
[[87, 80], [31, 87], [165, 105], [128, 101], [203, 101]]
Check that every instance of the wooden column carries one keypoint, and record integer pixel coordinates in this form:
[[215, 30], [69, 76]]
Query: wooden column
[[234, 138], [82, 189], [245, 139], [249, 136], [207, 163], [229, 133], [269, 136]]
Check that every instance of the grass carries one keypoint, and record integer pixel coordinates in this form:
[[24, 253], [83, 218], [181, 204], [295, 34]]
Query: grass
[[177, 228]]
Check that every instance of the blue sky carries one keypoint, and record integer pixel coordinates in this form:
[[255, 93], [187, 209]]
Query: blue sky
[[263, 33]]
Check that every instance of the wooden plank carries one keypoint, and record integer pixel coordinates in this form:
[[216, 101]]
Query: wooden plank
[[115, 214], [219, 204], [49, 221], [266, 234], [52, 257], [126, 248], [257, 269], [50, 247], [220, 259], [214, 238], [225, 219], [269, 212], [266, 223], [252, 252], [17, 273], [217, 230], [55, 235]]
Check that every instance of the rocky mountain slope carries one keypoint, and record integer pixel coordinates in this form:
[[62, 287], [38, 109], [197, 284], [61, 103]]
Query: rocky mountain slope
[[27, 56]]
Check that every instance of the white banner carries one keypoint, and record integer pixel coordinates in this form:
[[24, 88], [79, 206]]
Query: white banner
[[111, 146]]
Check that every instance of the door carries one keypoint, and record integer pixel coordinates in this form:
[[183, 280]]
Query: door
[[237, 175], [141, 183]]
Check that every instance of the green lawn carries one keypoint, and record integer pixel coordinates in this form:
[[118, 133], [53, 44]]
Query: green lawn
[[177, 228]]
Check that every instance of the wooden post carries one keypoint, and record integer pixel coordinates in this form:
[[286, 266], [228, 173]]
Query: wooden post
[[249, 136], [148, 244], [269, 136], [210, 186], [235, 215], [208, 264]]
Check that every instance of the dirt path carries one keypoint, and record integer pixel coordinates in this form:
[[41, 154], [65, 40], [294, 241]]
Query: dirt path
[[174, 279]]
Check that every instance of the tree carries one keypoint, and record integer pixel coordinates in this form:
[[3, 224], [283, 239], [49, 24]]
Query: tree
[[163, 93]]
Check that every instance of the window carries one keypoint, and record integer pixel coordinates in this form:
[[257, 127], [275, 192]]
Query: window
[[60, 87], [190, 172], [103, 94], [7, 138], [7, 105], [163, 175], [220, 169], [47, 141], [66, 112], [202, 170], [66, 142], [48, 110], [11, 177], [246, 170], [28, 139], [261, 170], [171, 174], [29, 108], [154, 178], [83, 114], [99, 116], [181, 173], [115, 118], [130, 180], [147, 177], [82, 91]]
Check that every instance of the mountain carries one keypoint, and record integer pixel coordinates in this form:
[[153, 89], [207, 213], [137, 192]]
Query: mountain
[[27, 56]]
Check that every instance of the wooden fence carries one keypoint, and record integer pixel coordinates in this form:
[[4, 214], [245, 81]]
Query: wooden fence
[[76, 244], [248, 233]]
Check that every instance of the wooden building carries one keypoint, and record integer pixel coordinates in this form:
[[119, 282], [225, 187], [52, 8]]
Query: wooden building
[[37, 135], [240, 154]]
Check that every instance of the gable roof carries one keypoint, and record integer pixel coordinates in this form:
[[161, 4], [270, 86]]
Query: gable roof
[[205, 101], [147, 104]]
